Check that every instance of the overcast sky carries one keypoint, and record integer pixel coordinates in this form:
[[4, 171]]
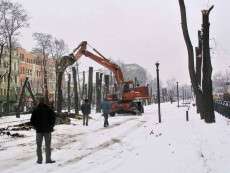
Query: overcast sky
[[133, 31]]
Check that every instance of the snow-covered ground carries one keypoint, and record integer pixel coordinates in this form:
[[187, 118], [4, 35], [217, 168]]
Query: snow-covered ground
[[131, 144]]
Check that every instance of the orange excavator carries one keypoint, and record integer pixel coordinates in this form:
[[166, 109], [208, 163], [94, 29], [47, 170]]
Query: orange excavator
[[128, 99]]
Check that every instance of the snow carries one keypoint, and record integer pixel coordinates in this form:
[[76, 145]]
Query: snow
[[131, 144]]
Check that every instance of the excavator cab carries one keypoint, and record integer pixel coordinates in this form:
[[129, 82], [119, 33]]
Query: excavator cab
[[128, 86]]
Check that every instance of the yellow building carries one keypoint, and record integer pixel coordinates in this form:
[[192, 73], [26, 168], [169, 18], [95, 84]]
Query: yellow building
[[4, 68]]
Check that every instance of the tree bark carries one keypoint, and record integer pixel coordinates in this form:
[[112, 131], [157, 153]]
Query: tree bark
[[9, 77], [90, 84], [1, 52], [198, 73], [209, 114], [62, 64], [204, 94], [98, 92], [106, 78], [68, 90], [83, 86], [75, 86], [78, 85], [59, 91], [45, 78]]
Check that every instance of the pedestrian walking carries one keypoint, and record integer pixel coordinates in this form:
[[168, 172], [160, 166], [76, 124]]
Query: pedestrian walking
[[106, 109], [43, 121], [86, 110]]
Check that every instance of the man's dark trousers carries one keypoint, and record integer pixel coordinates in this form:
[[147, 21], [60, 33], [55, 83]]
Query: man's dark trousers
[[106, 122], [85, 119], [39, 139]]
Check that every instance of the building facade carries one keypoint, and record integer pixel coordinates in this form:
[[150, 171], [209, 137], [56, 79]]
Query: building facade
[[25, 64], [31, 66], [14, 80]]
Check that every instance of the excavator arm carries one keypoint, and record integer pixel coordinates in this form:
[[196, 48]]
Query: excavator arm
[[100, 59]]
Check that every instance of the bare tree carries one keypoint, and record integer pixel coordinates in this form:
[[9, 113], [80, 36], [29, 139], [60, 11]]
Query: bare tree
[[14, 18], [2, 39], [44, 44], [2, 36], [171, 86], [203, 94], [58, 49]]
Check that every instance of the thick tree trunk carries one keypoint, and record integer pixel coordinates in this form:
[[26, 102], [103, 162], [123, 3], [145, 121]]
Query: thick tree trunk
[[98, 92], [106, 78], [9, 77], [59, 91], [68, 92], [62, 64], [1, 52], [76, 104], [90, 84], [56, 86], [204, 95], [86, 90], [83, 87], [209, 114], [79, 86], [199, 97], [189, 46], [45, 78]]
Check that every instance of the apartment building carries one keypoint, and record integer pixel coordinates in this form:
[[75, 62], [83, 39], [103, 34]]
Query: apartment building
[[31, 66], [14, 81]]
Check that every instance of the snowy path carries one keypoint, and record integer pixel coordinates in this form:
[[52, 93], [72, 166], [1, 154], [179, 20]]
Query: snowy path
[[131, 144]]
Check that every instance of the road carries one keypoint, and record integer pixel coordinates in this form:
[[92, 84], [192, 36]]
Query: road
[[77, 146]]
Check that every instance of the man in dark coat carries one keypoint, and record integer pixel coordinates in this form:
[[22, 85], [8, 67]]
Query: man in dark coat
[[43, 120], [86, 110], [106, 109]]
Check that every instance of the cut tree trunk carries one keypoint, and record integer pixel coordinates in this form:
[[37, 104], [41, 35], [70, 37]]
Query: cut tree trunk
[[62, 64], [59, 91], [76, 104], [204, 94], [68, 93], [45, 78], [106, 79], [1, 52], [9, 77], [209, 114], [98, 92], [198, 73], [90, 84], [83, 86]]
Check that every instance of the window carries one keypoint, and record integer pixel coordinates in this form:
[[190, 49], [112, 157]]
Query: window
[[22, 57]]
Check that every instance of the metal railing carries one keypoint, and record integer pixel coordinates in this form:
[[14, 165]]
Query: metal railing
[[222, 107]]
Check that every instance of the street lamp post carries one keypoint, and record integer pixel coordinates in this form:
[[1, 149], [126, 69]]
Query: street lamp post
[[158, 92]]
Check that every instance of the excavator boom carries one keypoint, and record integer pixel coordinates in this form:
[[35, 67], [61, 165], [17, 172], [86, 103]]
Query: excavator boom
[[100, 59]]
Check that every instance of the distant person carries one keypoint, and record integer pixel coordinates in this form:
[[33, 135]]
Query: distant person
[[106, 109], [43, 120], [86, 110], [171, 99]]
